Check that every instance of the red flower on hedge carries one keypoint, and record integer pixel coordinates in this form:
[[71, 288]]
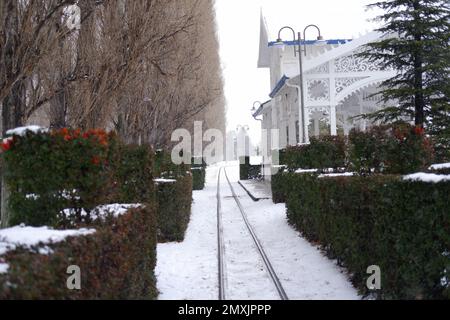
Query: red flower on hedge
[[64, 131], [420, 131], [95, 160], [100, 135], [76, 133], [7, 144]]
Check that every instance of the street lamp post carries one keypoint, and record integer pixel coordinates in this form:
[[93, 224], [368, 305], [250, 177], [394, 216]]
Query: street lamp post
[[300, 52], [256, 106]]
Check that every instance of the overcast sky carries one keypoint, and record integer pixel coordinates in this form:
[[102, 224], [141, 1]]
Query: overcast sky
[[239, 25]]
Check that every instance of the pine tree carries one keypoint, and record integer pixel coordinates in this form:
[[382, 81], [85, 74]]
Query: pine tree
[[417, 45]]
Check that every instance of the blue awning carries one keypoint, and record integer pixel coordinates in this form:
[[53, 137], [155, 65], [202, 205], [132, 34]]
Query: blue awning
[[278, 87]]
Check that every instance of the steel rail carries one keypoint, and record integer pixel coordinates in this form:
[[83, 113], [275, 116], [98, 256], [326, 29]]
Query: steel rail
[[258, 244], [220, 244]]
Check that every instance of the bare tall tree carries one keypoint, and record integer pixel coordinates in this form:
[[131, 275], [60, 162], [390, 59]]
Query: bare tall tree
[[143, 66]]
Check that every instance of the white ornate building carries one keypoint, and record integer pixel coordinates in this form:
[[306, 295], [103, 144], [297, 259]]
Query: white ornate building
[[337, 86]]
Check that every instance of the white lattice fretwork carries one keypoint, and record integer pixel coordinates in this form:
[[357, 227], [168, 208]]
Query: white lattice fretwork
[[322, 69], [318, 89], [342, 83], [354, 63]]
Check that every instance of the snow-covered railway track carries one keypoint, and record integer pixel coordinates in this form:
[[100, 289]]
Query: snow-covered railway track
[[221, 245]]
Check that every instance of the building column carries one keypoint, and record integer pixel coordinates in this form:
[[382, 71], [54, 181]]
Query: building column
[[275, 120], [305, 122], [333, 120], [292, 131], [333, 102], [316, 117]]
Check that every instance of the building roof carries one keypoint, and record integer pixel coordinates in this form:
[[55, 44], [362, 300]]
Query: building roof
[[311, 42], [279, 86]]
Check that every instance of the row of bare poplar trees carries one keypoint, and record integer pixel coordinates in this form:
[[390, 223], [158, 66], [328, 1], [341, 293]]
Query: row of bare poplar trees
[[140, 67]]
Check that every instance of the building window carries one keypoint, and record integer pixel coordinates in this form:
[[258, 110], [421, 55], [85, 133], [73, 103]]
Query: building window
[[297, 131]]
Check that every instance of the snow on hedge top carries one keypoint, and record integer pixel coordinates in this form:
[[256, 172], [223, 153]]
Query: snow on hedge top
[[12, 238], [115, 210], [440, 166], [27, 237], [427, 177], [21, 131], [164, 180], [3, 268], [336, 175], [306, 170]]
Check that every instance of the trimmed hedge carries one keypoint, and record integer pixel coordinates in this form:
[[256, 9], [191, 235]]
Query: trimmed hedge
[[174, 198], [132, 168], [441, 143], [174, 208], [280, 184], [248, 171], [165, 168], [403, 227], [199, 178], [395, 149], [48, 172], [322, 153], [390, 149], [198, 175], [116, 262]]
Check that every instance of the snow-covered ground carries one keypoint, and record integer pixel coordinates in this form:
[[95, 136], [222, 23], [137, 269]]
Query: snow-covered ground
[[257, 189], [188, 270], [246, 275], [305, 273]]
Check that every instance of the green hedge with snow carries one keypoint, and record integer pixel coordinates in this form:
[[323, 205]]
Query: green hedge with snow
[[174, 207], [198, 175], [116, 262], [48, 172], [324, 152], [132, 172], [390, 149], [401, 226], [174, 198], [370, 218], [280, 184], [248, 171], [393, 149]]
